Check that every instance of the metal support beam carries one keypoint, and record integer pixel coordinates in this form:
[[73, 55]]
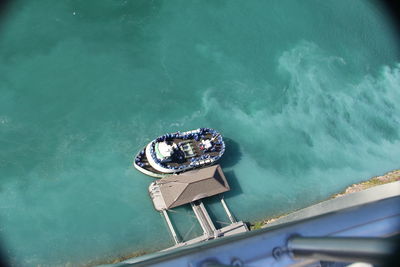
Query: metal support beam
[[171, 227], [230, 216], [204, 219]]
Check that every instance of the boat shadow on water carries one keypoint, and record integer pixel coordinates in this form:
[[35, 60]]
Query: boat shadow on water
[[232, 153], [231, 158], [233, 184]]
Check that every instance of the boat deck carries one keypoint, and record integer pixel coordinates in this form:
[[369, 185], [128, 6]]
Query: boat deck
[[196, 153]]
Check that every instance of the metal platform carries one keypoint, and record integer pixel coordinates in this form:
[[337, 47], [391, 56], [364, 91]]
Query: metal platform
[[371, 216], [209, 229]]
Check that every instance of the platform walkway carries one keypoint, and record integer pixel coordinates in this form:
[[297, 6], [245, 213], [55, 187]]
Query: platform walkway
[[209, 229]]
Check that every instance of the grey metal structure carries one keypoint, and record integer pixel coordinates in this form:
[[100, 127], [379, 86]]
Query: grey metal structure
[[344, 249], [191, 187], [311, 236]]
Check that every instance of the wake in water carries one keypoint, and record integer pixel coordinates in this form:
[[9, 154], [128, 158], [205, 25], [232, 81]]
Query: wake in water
[[324, 130], [322, 115]]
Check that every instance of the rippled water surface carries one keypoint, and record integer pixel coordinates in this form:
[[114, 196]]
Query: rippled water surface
[[306, 94]]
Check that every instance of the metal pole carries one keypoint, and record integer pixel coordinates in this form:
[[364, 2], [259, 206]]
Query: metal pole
[[341, 249], [204, 219], [171, 228], [231, 218]]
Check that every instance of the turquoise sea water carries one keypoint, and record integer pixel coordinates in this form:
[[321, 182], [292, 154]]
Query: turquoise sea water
[[306, 93]]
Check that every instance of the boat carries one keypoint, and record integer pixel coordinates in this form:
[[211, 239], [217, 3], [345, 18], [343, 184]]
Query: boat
[[177, 152]]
